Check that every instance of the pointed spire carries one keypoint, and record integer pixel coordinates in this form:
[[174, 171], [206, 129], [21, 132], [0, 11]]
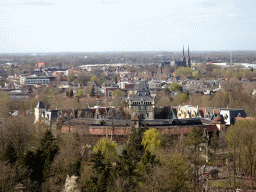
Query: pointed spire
[[183, 52], [188, 51]]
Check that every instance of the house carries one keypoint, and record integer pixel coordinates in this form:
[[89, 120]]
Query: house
[[154, 84], [188, 111], [230, 114]]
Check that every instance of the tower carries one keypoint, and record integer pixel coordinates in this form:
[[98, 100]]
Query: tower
[[39, 110], [142, 104], [188, 59], [183, 56]]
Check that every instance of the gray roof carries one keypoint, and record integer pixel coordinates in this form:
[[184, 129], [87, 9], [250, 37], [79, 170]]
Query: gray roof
[[40, 105], [142, 92]]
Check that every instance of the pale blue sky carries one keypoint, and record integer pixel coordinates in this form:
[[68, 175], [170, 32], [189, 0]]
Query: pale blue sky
[[124, 25]]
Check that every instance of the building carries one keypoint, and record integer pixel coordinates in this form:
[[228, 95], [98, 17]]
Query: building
[[142, 104], [230, 114], [39, 110], [188, 64], [35, 80], [154, 84], [188, 111], [185, 62]]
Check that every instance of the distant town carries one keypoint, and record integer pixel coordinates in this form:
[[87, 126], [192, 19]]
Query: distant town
[[128, 121]]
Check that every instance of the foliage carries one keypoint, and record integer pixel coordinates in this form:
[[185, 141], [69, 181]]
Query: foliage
[[99, 180], [183, 71], [71, 93], [214, 140], [134, 147], [174, 86], [94, 78], [50, 93], [92, 93], [225, 184], [4, 105], [181, 98], [179, 171], [147, 163], [39, 161], [171, 174], [80, 92], [10, 154], [241, 140], [115, 79], [117, 92], [107, 148], [152, 140], [70, 77], [126, 169], [196, 74], [18, 130], [193, 140], [82, 78]]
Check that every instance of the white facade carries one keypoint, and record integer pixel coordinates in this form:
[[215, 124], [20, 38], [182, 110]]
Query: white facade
[[35, 80], [39, 110]]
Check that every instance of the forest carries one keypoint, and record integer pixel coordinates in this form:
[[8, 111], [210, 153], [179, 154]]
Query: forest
[[44, 159]]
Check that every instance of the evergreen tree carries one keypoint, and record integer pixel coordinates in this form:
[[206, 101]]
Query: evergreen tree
[[99, 181], [127, 166], [134, 147], [148, 161], [39, 161], [92, 93], [10, 154], [71, 93], [126, 169], [115, 80]]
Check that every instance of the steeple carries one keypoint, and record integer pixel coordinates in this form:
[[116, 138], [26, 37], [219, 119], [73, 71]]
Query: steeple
[[183, 56], [188, 59]]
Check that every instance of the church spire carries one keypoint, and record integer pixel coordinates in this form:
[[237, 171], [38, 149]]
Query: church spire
[[183, 56], [188, 59]]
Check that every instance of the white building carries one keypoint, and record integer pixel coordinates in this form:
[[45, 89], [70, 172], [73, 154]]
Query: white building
[[35, 80], [39, 110]]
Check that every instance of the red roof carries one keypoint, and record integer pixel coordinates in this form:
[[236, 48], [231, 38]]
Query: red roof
[[42, 64]]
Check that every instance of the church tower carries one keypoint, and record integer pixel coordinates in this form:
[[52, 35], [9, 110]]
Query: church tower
[[183, 56], [188, 58]]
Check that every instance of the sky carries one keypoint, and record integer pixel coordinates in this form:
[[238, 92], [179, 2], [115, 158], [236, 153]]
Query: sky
[[124, 25]]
